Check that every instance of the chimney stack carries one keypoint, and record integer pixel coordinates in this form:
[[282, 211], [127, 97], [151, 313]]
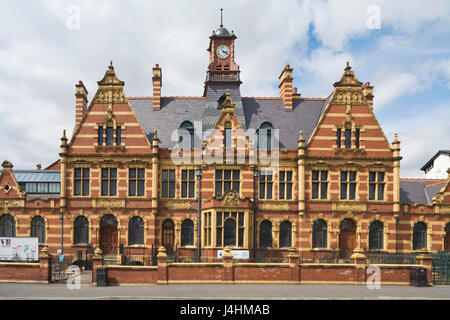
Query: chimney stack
[[80, 102], [157, 84], [286, 87]]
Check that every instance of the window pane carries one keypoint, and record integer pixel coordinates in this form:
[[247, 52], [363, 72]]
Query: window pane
[[172, 190], [372, 176], [171, 174], [132, 188], [281, 190], [141, 173], [85, 187], [218, 189], [165, 189], [164, 174], [226, 186], [343, 175], [323, 175], [269, 190], [118, 136], [192, 189], [77, 191], [380, 176], [219, 174], [227, 138], [315, 190], [184, 189], [100, 136], [113, 173], [323, 190], [218, 237], [352, 175], [132, 173], [141, 187], [219, 219], [104, 173], [241, 237], [241, 219], [109, 136], [262, 193], [381, 191], [343, 191], [371, 191], [289, 175], [348, 138], [265, 234], [113, 189], [338, 138], [191, 174], [77, 172], [227, 174], [282, 173], [183, 174], [236, 186], [357, 138], [289, 191], [104, 187], [230, 232], [352, 191], [315, 175], [235, 174]]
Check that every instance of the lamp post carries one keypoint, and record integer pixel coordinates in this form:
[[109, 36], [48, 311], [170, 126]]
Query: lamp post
[[255, 209], [198, 173], [61, 218]]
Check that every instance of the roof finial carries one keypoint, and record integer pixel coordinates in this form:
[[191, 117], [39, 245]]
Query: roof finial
[[221, 17], [110, 65]]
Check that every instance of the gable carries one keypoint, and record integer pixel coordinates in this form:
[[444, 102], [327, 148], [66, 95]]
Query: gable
[[9, 187]]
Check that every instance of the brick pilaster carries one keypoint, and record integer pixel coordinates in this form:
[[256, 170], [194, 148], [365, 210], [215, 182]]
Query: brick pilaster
[[227, 257], [45, 260], [426, 261], [162, 265], [359, 258], [97, 261], [294, 266]]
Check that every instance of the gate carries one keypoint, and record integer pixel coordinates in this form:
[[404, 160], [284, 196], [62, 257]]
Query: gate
[[59, 268], [441, 267]]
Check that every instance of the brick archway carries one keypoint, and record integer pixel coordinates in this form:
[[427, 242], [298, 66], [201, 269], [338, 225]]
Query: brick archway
[[347, 238]]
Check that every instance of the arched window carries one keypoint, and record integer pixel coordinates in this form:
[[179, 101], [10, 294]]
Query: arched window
[[265, 133], [320, 234], [38, 228], [7, 226], [136, 231], [285, 234], [187, 233], [229, 232], [265, 234], [420, 236], [189, 127], [81, 230], [376, 236]]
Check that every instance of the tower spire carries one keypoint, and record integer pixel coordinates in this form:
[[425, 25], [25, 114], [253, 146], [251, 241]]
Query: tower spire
[[221, 17]]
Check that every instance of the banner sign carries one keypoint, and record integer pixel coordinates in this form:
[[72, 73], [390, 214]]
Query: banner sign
[[19, 249]]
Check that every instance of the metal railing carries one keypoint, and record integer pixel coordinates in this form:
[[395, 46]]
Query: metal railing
[[374, 257]]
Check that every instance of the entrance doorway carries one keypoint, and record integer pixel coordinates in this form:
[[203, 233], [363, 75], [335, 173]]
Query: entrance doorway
[[108, 234], [347, 238], [168, 235]]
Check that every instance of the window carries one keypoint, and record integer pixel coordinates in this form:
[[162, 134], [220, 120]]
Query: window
[[189, 142], [187, 183], [81, 230], [319, 234], [118, 136], [7, 226], [319, 184], [100, 136], [109, 136], [136, 231], [420, 236], [285, 234], [376, 236], [207, 229], [265, 136], [38, 228], [265, 234], [285, 184], [227, 138], [226, 228], [81, 182], [109, 181], [338, 138], [40, 187], [227, 180], [348, 185], [168, 183], [348, 138], [168, 234], [187, 233], [265, 185], [376, 185], [136, 181], [357, 138]]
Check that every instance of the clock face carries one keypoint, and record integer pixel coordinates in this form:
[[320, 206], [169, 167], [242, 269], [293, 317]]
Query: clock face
[[223, 51]]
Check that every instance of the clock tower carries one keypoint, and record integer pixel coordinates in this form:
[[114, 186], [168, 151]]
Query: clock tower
[[222, 68]]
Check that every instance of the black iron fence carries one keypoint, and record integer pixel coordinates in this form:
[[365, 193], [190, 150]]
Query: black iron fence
[[440, 269], [83, 258], [374, 257]]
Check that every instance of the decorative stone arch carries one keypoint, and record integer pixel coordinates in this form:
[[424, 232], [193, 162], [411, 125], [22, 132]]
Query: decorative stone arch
[[385, 231], [72, 227], [273, 223], [108, 211], [428, 230], [47, 227], [292, 222], [349, 215], [329, 230], [136, 214], [16, 220]]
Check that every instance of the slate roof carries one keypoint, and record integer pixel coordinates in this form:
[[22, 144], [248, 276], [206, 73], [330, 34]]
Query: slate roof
[[419, 190], [251, 112]]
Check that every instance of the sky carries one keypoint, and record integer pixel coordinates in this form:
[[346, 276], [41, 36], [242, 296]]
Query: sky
[[401, 47]]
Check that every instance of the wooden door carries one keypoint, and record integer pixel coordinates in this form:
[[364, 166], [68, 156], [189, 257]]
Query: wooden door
[[108, 234], [168, 235], [347, 243]]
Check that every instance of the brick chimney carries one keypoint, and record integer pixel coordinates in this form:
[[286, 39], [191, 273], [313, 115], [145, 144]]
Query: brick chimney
[[157, 84], [80, 102], [368, 93], [286, 87]]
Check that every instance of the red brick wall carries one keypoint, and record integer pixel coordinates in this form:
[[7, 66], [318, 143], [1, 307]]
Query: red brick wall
[[18, 272], [331, 273], [132, 275], [188, 272], [273, 272]]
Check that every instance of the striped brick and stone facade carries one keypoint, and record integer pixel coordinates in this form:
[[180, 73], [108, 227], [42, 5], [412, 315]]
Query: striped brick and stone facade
[[336, 178]]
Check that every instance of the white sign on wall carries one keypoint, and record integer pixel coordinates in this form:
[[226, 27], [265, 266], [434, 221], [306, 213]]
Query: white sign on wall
[[19, 248], [237, 254]]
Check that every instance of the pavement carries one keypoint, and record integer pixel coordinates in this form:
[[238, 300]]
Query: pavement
[[60, 291]]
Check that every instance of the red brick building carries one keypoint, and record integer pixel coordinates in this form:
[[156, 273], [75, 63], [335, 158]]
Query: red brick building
[[315, 174]]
